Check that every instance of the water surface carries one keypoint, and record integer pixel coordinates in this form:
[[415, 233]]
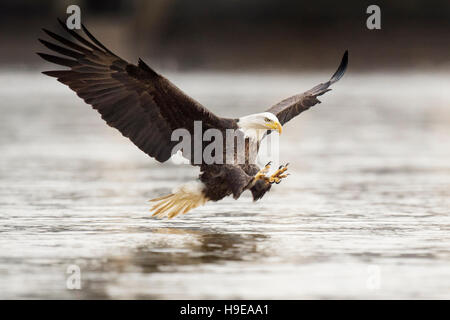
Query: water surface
[[364, 214]]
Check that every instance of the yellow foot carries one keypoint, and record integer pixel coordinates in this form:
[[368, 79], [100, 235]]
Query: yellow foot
[[262, 173], [279, 174], [274, 178]]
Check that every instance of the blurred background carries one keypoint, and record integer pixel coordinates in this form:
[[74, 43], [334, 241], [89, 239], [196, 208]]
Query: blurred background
[[243, 35], [365, 212]]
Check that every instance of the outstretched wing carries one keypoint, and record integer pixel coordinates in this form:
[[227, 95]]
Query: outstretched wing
[[140, 103], [293, 106]]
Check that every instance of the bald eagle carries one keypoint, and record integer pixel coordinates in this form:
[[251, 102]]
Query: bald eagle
[[147, 108]]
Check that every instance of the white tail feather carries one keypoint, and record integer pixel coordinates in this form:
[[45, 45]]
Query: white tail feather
[[186, 197]]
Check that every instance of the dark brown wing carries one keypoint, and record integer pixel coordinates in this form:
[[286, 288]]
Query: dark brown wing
[[293, 106], [140, 103]]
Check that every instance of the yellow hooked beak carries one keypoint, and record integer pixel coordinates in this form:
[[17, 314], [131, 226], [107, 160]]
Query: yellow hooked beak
[[275, 126]]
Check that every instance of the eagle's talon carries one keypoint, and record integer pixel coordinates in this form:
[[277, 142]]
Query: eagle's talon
[[279, 174], [262, 173]]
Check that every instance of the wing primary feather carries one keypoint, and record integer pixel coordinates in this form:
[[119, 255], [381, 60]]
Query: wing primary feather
[[66, 42], [86, 61], [61, 50], [57, 73], [323, 88], [58, 60], [96, 41], [78, 37], [341, 69]]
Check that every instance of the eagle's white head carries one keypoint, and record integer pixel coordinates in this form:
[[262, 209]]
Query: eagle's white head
[[255, 125]]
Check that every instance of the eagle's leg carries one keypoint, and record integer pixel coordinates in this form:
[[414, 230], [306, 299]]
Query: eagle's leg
[[259, 188], [262, 184], [279, 174]]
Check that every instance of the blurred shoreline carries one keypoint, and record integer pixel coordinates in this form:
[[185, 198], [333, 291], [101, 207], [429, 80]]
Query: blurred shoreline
[[264, 35], [258, 55]]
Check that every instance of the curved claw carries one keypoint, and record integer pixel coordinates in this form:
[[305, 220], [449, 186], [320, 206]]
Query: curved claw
[[262, 173], [283, 166], [274, 178], [279, 174]]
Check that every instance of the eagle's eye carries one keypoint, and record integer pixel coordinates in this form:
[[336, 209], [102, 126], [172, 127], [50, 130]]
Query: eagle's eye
[[267, 120]]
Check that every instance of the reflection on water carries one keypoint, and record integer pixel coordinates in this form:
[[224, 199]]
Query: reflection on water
[[364, 214], [201, 248], [197, 248]]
